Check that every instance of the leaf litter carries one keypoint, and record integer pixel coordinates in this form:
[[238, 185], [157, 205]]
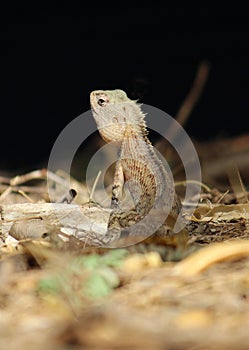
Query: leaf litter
[[62, 294]]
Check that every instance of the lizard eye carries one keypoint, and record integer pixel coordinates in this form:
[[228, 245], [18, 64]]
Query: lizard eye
[[102, 102]]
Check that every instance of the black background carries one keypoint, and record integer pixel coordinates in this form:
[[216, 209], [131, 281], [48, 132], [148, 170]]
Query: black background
[[53, 55]]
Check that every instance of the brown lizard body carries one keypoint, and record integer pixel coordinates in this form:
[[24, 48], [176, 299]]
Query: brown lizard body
[[121, 120]]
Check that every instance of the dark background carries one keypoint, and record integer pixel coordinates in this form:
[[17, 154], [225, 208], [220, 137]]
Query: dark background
[[52, 56]]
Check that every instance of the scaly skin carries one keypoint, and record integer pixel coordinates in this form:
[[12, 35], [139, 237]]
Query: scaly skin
[[121, 120]]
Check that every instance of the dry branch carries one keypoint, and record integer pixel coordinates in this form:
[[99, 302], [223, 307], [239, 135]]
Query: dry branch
[[83, 222]]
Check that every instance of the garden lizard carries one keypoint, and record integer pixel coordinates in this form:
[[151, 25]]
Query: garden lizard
[[156, 206]]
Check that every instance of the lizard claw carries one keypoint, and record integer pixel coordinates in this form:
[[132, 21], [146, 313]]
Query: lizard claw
[[115, 205]]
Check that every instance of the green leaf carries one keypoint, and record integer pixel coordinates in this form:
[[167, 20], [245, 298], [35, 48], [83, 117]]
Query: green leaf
[[49, 285], [97, 286], [114, 257]]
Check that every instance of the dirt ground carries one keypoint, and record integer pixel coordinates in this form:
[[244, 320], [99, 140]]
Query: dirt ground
[[148, 296]]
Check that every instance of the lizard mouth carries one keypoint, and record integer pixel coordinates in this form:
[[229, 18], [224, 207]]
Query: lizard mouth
[[93, 101], [93, 109]]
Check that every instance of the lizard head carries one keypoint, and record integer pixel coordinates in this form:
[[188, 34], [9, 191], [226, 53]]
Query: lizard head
[[115, 113]]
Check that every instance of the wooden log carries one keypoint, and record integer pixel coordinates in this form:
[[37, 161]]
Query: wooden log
[[31, 220]]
